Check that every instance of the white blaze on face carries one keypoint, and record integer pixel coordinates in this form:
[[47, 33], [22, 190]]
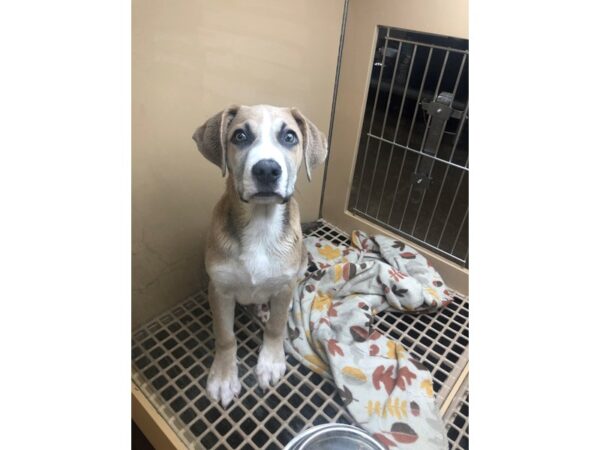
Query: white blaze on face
[[266, 147]]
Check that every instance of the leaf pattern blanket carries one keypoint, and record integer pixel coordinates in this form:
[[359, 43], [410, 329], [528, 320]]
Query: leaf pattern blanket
[[388, 392]]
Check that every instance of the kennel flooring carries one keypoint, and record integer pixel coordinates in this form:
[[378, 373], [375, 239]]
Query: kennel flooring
[[171, 356]]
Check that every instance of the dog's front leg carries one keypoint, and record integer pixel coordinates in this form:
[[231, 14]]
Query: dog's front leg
[[223, 382], [271, 360]]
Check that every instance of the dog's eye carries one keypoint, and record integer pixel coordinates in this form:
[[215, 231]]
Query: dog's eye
[[290, 137], [240, 136]]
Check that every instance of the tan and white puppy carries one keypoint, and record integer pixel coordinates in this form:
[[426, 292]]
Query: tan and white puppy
[[254, 251]]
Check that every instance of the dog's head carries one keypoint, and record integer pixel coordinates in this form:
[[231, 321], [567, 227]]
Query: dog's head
[[262, 148]]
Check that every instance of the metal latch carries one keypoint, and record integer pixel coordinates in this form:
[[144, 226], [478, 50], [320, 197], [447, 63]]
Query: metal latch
[[439, 111]]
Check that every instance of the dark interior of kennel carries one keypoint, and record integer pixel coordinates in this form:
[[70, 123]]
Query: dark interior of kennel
[[411, 171]]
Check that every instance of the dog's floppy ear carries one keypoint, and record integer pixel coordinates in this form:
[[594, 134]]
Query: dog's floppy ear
[[211, 137], [314, 142]]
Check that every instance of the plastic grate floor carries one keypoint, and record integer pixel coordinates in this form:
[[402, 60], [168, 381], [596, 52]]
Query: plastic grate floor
[[171, 356], [457, 419]]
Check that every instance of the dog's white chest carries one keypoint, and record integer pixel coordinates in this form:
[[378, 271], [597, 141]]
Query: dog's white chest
[[259, 271]]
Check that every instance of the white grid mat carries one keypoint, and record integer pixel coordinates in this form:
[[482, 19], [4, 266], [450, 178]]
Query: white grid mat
[[457, 418], [172, 354]]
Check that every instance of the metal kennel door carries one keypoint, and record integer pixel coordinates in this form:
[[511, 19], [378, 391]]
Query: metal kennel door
[[399, 143]]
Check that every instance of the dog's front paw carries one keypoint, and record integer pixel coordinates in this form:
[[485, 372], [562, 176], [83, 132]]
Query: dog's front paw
[[270, 367], [223, 383]]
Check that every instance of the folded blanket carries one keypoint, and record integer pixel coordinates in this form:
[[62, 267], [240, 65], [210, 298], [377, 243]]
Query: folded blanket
[[388, 392]]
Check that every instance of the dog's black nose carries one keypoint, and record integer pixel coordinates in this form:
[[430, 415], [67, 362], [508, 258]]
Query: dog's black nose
[[266, 172]]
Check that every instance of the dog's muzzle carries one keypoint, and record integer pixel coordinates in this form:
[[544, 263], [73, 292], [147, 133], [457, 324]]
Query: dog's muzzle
[[266, 174]]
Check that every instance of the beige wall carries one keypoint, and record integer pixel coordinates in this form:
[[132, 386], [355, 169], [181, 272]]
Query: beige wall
[[191, 59]]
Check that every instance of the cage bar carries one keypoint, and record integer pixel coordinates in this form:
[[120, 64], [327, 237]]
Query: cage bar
[[373, 112], [387, 108], [387, 170], [438, 65]]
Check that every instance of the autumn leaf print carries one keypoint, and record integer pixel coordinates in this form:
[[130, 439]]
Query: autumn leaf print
[[396, 409], [316, 361], [403, 433], [432, 292], [353, 375], [383, 376], [322, 302], [408, 255], [294, 334], [398, 292], [349, 271], [312, 267], [329, 252], [391, 349], [332, 312], [375, 335], [338, 271], [387, 443], [359, 334], [405, 377], [319, 273], [415, 409], [347, 396], [334, 348], [388, 408], [400, 352], [427, 386], [399, 245], [396, 274], [324, 321]]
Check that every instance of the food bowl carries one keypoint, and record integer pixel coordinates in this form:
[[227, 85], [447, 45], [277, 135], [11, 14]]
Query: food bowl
[[333, 436]]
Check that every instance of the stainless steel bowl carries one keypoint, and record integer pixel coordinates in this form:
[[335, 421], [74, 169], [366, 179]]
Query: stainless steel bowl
[[333, 436]]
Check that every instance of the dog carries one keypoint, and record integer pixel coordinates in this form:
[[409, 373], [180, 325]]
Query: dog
[[255, 253]]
